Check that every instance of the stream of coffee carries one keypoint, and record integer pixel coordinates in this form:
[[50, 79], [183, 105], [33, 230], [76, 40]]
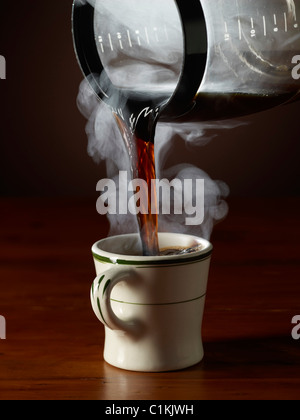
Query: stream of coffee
[[148, 220], [142, 161]]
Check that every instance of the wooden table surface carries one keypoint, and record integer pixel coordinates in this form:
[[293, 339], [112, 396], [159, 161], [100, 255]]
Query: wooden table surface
[[52, 350]]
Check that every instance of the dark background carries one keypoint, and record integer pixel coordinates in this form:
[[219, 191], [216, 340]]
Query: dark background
[[43, 142]]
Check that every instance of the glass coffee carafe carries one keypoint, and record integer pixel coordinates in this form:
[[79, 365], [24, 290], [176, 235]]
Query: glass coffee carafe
[[178, 60]]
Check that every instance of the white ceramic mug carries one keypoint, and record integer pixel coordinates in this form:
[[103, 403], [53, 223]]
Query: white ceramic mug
[[151, 307]]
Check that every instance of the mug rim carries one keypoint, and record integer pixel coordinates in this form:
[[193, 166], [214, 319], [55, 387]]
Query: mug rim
[[104, 256]]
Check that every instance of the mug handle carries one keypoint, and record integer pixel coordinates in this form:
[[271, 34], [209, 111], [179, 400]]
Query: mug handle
[[101, 299]]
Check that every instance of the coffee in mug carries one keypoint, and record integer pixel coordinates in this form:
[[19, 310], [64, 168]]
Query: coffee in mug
[[151, 307]]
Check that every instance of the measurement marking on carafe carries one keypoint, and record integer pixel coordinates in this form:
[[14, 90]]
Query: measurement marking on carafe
[[129, 38], [138, 37], [296, 26], [296, 23], [119, 36], [253, 31], [101, 43], [227, 35], [147, 35], [265, 25], [285, 22], [240, 29], [275, 23], [110, 42], [166, 32]]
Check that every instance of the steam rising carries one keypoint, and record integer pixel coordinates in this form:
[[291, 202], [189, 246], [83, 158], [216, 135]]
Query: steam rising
[[149, 58], [160, 44], [106, 144]]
